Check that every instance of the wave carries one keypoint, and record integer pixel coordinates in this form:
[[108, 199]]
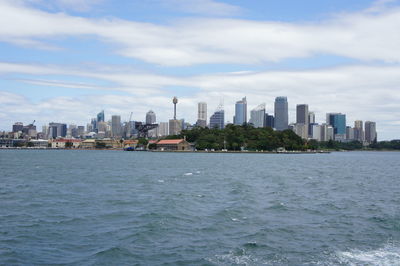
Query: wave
[[387, 255]]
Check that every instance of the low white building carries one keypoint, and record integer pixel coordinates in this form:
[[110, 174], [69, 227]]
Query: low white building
[[62, 143]]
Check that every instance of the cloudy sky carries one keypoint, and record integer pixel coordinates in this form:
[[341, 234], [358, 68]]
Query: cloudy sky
[[66, 60]]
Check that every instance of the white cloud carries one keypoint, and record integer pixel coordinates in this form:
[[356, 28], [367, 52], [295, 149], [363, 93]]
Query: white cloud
[[362, 35]]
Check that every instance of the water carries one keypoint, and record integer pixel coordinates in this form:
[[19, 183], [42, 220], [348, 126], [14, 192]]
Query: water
[[138, 208]]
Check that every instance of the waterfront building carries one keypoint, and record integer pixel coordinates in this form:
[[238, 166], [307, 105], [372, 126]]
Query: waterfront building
[[358, 131], [217, 120], [61, 143], [370, 132], [57, 130], [257, 116], [240, 117], [269, 121], [173, 145], [201, 114], [116, 129], [281, 113], [150, 117], [338, 122]]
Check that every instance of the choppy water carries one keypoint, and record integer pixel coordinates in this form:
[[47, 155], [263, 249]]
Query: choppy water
[[138, 208]]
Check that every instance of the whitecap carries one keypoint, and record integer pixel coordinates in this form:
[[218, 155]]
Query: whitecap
[[188, 174], [388, 255], [234, 219], [160, 181], [235, 258]]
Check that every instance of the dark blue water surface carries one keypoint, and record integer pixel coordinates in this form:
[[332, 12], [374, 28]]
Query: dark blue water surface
[[143, 208]]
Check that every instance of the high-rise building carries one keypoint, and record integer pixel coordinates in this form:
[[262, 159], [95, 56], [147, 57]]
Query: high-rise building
[[201, 114], [116, 129], [311, 121], [338, 122], [175, 126], [316, 132], [300, 129], [269, 121], [281, 113], [327, 132], [370, 131], [358, 131], [100, 116], [81, 131], [302, 115], [311, 117], [57, 130], [240, 117], [257, 116], [217, 120], [349, 133], [150, 117], [162, 129], [18, 126]]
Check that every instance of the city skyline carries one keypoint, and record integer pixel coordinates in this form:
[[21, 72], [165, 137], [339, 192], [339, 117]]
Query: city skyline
[[334, 128], [336, 57]]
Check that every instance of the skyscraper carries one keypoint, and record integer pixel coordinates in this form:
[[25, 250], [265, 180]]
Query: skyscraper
[[116, 129], [269, 120], [311, 122], [358, 131], [100, 116], [202, 114], [162, 129], [217, 120], [370, 131], [150, 117], [302, 115], [240, 112], [57, 130], [18, 126], [281, 113], [338, 122], [257, 116]]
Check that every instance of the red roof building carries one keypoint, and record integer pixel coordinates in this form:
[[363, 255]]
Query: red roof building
[[173, 145]]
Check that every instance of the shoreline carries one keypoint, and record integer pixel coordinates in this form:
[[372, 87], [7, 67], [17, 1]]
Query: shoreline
[[201, 151]]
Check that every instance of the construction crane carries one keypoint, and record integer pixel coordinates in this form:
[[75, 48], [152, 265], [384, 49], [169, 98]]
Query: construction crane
[[128, 126]]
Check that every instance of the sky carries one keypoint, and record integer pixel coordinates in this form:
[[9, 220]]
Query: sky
[[66, 60]]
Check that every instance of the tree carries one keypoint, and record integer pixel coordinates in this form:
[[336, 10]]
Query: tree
[[69, 144], [100, 145]]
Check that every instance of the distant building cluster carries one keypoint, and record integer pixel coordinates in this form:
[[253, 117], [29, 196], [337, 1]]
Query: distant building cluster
[[335, 127]]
